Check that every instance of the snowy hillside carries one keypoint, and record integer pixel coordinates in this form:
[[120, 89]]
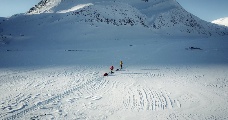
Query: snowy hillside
[[159, 15], [3, 38], [164, 17], [221, 21], [53, 58]]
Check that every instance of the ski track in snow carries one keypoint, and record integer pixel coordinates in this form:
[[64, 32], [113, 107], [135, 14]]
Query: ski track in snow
[[74, 92]]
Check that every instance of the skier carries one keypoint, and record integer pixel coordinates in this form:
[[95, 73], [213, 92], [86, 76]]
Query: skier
[[121, 64], [112, 68]]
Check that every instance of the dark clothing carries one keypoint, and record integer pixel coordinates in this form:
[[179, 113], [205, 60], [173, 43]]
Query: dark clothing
[[111, 68], [106, 74], [121, 64]]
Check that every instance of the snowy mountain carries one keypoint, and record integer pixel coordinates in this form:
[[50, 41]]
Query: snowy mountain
[[221, 21], [66, 19], [158, 15]]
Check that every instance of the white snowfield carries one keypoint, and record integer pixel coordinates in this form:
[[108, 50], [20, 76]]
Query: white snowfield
[[160, 79], [52, 65], [143, 92]]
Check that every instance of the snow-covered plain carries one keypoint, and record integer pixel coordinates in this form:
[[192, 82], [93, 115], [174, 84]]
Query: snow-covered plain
[[161, 79], [52, 66]]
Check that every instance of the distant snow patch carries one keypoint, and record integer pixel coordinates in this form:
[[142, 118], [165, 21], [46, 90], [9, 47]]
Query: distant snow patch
[[75, 8], [221, 21]]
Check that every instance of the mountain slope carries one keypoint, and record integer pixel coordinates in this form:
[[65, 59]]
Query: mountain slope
[[221, 21], [59, 20], [158, 15]]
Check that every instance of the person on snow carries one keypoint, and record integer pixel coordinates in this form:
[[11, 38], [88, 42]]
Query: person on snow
[[112, 68], [121, 64]]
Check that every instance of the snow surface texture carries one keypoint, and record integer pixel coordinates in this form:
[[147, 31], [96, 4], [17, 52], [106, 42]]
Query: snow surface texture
[[145, 92], [53, 58], [221, 21]]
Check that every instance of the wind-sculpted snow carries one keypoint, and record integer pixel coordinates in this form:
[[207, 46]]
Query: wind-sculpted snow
[[83, 93]]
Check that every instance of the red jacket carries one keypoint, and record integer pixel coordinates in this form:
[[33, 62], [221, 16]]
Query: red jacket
[[111, 68]]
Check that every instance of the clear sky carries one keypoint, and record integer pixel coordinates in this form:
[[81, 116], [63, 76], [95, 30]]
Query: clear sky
[[205, 9], [208, 10], [11, 7]]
